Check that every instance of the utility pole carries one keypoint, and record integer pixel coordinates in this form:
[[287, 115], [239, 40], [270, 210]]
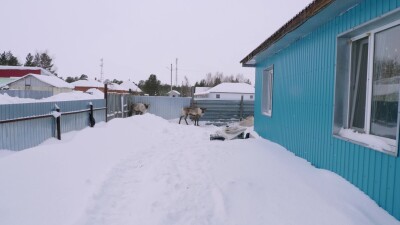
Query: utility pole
[[176, 72], [101, 69], [171, 78]]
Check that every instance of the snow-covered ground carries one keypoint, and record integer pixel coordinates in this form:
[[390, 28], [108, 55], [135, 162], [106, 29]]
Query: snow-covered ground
[[146, 170]]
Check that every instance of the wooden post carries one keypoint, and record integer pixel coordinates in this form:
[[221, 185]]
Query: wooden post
[[106, 97], [192, 99], [58, 123], [241, 108], [91, 115]]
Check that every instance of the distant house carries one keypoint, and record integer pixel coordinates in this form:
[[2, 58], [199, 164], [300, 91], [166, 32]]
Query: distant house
[[174, 93], [84, 85], [226, 91], [327, 89], [11, 73], [20, 71], [131, 87], [36, 82]]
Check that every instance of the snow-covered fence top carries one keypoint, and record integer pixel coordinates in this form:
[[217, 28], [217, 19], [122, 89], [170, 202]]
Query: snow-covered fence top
[[27, 125]]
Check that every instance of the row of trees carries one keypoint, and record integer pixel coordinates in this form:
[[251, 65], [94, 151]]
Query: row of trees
[[153, 86], [39, 59], [213, 80]]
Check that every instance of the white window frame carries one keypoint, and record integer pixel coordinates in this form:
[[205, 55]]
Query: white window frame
[[267, 91], [342, 115]]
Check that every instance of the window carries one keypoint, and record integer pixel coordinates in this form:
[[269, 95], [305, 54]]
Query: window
[[251, 97], [266, 98], [218, 96], [367, 86]]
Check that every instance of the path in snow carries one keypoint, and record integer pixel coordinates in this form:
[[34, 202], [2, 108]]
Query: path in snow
[[153, 186]]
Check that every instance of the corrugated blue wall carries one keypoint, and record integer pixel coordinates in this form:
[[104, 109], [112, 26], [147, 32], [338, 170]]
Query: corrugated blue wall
[[302, 113]]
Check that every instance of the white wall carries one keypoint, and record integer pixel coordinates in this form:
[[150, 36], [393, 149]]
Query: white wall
[[230, 96]]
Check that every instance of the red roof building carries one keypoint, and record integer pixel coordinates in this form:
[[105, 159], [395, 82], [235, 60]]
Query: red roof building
[[20, 71]]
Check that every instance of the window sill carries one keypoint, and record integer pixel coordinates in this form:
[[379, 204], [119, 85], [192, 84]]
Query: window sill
[[267, 114], [380, 144]]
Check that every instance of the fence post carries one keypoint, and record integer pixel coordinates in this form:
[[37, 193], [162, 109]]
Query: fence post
[[241, 108], [92, 122], [58, 122], [122, 106], [106, 98]]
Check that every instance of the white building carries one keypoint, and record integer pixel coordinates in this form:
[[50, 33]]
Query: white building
[[41, 83], [131, 87], [174, 93], [226, 91], [84, 85]]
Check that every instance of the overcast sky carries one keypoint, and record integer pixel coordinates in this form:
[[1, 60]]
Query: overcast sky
[[139, 38]]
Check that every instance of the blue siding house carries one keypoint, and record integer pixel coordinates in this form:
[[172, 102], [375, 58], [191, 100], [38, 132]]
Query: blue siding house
[[327, 89]]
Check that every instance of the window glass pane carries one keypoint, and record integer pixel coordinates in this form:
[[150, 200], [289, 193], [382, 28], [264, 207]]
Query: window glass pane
[[359, 84], [267, 91], [386, 80]]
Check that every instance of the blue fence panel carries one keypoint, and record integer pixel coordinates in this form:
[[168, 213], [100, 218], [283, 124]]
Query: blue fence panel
[[163, 106], [27, 93], [25, 133], [221, 112]]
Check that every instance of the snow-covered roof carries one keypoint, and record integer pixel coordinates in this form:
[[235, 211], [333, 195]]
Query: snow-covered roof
[[87, 83], [117, 87], [201, 89], [5, 81], [241, 88], [130, 85], [42, 71], [51, 80], [174, 92]]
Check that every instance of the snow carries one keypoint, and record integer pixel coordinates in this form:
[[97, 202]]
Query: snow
[[51, 80], [69, 96], [369, 140], [146, 170], [130, 85], [117, 87], [88, 83], [95, 92]]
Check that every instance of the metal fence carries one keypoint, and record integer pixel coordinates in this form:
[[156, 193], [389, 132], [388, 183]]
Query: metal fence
[[162, 106], [218, 112], [221, 112], [117, 105], [27, 125], [27, 93]]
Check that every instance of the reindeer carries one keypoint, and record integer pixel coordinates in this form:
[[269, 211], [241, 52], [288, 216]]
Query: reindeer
[[194, 114], [139, 108]]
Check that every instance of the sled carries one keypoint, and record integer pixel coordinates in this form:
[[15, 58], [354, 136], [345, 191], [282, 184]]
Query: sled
[[229, 133]]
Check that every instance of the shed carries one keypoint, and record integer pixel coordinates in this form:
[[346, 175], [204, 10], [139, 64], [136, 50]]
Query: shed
[[131, 87], [227, 91], [174, 93], [327, 89], [36, 82]]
